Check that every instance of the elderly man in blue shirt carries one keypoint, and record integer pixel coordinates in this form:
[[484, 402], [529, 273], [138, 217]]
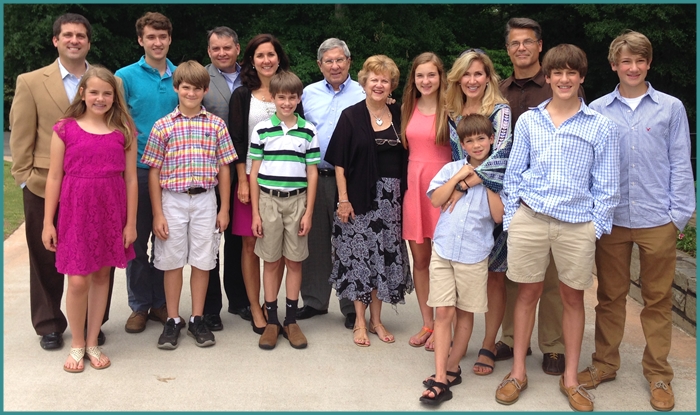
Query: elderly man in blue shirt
[[562, 185], [657, 200], [323, 102]]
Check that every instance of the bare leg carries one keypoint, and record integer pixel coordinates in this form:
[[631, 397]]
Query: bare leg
[[76, 309], [574, 319], [97, 302], [442, 336], [524, 322], [172, 282], [421, 280], [293, 283], [270, 281], [375, 319], [250, 265], [359, 333], [199, 281], [496, 292]]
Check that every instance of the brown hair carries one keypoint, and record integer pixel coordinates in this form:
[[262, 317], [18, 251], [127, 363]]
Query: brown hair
[[72, 18], [565, 56], [193, 73], [474, 124], [118, 116], [285, 81], [156, 20], [249, 76], [411, 96], [635, 43]]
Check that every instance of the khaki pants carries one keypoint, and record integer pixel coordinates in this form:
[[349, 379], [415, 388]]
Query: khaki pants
[[657, 254]]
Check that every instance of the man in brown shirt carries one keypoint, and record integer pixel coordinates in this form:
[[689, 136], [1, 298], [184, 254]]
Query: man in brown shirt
[[524, 89]]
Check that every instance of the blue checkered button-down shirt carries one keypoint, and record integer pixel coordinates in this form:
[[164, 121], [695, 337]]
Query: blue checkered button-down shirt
[[571, 173], [656, 177]]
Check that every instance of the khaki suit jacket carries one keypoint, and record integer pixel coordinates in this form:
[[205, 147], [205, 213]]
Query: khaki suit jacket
[[40, 100]]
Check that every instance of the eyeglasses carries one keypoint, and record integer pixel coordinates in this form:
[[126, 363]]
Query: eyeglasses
[[330, 62], [391, 141], [475, 50], [514, 45]]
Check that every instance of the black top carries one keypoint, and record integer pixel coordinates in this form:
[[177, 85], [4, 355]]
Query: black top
[[353, 148]]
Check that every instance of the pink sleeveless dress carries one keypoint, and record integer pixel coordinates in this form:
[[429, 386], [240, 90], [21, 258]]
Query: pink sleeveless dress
[[425, 159]]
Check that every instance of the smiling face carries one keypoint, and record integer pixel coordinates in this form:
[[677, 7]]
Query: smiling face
[[474, 81], [632, 71], [223, 52], [377, 87], [265, 60], [523, 48], [335, 72], [477, 147], [190, 98], [285, 104], [565, 83], [155, 44], [72, 43], [427, 79], [98, 96]]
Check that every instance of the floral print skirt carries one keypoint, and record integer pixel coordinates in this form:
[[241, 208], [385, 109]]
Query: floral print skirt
[[368, 252]]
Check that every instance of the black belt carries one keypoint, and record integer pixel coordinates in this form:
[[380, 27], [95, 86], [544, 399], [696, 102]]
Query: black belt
[[277, 193], [194, 190], [326, 172]]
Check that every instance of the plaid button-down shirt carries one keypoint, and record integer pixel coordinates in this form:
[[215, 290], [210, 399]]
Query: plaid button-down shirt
[[570, 172], [189, 151]]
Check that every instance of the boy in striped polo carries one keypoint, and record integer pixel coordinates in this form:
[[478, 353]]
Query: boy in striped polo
[[283, 179], [185, 151]]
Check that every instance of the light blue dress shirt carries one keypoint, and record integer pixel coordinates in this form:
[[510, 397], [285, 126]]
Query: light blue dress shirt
[[466, 234], [323, 105], [233, 80], [656, 177], [70, 81], [571, 173]]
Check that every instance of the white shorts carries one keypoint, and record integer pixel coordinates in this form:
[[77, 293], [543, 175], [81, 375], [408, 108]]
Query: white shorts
[[192, 235]]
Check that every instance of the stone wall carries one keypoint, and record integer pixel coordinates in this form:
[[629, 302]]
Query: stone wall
[[684, 291]]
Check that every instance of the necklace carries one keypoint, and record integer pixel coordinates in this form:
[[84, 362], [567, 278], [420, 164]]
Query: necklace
[[377, 120]]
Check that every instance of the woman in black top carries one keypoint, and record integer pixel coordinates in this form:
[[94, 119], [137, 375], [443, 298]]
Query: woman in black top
[[370, 260]]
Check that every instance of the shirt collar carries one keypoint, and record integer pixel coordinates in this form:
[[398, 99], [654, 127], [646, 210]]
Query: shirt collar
[[177, 113], [238, 69], [276, 121], [169, 67], [538, 79], [342, 86], [583, 108], [64, 71], [653, 94]]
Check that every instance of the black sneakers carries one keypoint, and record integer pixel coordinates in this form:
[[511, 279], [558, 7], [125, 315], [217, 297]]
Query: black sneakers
[[203, 337], [171, 332]]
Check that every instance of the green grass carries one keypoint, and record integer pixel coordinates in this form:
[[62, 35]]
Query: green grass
[[13, 205]]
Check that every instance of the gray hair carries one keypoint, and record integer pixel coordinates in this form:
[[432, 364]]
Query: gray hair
[[523, 23], [332, 43], [222, 31]]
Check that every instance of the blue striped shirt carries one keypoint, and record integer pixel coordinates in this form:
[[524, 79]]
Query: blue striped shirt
[[571, 173], [466, 234], [656, 177]]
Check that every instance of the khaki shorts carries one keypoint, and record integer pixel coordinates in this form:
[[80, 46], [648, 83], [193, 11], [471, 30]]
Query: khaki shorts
[[453, 284], [192, 235], [532, 235], [280, 222]]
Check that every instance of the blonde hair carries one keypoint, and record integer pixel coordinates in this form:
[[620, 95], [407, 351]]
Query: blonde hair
[[379, 64], [635, 43], [411, 96], [455, 96], [118, 116]]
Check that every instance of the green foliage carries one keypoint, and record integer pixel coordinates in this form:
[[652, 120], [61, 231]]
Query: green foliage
[[13, 214], [686, 240], [400, 31]]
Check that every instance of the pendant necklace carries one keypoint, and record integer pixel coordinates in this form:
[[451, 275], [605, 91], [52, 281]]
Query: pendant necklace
[[377, 120]]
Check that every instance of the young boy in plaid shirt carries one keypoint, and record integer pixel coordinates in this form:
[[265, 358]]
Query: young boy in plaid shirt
[[185, 151]]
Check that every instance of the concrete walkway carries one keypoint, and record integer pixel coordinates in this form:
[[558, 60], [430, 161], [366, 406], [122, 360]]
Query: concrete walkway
[[331, 374]]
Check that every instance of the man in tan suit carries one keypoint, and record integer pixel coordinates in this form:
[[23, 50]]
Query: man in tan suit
[[41, 98]]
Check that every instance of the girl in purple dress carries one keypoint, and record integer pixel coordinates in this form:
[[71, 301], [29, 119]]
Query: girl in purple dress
[[92, 172]]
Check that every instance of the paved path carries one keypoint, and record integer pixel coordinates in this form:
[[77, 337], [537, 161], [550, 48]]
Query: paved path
[[330, 375]]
